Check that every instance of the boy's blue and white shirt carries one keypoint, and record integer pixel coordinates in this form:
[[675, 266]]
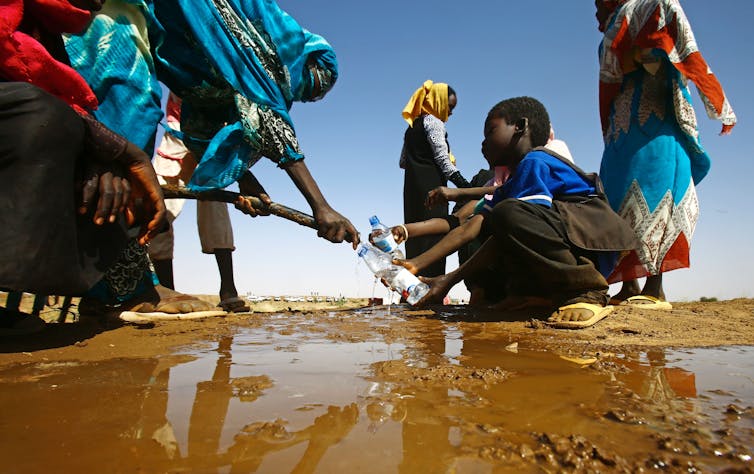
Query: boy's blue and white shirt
[[537, 179]]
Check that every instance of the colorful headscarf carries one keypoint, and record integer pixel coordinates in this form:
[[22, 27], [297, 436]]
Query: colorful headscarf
[[660, 25], [24, 59], [431, 98]]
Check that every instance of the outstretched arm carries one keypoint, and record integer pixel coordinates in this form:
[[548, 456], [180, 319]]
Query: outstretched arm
[[441, 195], [441, 285], [332, 225], [433, 226], [454, 240]]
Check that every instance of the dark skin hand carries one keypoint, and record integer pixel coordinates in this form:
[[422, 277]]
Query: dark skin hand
[[248, 185], [128, 186], [105, 183], [145, 193], [440, 196]]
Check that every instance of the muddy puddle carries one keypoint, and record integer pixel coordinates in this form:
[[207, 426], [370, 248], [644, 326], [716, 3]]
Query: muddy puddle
[[381, 390]]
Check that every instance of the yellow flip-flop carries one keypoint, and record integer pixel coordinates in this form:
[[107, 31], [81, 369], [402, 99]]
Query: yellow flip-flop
[[646, 302], [598, 313]]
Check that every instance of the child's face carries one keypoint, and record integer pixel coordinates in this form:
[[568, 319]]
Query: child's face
[[498, 143]]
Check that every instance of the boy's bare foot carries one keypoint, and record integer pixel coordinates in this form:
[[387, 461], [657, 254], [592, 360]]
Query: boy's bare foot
[[578, 315]]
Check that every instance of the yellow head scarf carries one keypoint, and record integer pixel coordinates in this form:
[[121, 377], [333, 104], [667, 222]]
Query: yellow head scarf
[[430, 98]]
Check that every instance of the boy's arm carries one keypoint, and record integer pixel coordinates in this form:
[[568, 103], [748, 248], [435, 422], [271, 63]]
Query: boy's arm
[[432, 226], [454, 240], [418, 229], [441, 195], [440, 286]]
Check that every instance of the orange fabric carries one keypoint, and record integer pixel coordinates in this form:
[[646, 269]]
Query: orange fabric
[[669, 39], [630, 267]]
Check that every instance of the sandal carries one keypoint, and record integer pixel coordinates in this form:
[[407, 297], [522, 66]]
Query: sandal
[[234, 304], [560, 320]]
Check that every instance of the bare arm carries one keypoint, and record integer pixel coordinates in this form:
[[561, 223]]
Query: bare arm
[[441, 195], [332, 225], [454, 240], [439, 286]]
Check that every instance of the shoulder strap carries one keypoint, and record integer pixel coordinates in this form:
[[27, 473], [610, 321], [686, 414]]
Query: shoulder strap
[[593, 178]]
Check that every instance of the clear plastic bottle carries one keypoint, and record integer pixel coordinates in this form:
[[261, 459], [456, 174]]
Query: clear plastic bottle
[[399, 278], [382, 238]]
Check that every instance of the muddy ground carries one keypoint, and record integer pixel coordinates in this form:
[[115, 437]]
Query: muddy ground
[[476, 411], [688, 324]]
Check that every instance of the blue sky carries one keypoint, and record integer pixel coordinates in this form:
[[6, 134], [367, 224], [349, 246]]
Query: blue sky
[[488, 51]]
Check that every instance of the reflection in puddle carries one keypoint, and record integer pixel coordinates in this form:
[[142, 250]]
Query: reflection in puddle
[[442, 397]]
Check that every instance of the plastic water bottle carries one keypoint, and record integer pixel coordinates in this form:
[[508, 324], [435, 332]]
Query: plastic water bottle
[[383, 239], [399, 278]]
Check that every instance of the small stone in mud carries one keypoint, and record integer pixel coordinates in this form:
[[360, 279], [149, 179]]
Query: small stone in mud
[[623, 417], [732, 409], [81, 344], [535, 324]]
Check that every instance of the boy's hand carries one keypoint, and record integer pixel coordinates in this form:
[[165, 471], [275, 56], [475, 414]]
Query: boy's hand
[[407, 264], [438, 288], [440, 196], [399, 234]]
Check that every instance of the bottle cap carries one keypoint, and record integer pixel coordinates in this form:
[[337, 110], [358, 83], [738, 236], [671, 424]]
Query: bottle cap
[[373, 220]]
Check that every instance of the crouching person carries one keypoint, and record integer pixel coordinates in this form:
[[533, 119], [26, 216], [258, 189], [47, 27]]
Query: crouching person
[[549, 231]]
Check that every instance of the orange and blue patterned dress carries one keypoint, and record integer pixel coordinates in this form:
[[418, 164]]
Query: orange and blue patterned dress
[[653, 158]]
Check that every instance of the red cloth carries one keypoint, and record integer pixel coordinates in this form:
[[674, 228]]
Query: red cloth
[[23, 58]]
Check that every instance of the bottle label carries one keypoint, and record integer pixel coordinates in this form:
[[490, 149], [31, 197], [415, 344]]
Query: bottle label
[[404, 280], [386, 244]]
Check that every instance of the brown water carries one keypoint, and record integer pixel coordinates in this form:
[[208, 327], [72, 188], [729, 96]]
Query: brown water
[[435, 396]]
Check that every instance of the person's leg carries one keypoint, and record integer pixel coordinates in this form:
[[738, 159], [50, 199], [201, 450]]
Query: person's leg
[[628, 289], [216, 237], [161, 246], [164, 271], [224, 258], [536, 254], [653, 287]]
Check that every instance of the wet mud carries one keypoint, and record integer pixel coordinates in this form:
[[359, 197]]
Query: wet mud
[[378, 389]]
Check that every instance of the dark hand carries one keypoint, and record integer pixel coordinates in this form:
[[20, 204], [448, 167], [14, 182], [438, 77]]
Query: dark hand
[[248, 185], [147, 202], [439, 197], [335, 228], [438, 288], [106, 183], [407, 264]]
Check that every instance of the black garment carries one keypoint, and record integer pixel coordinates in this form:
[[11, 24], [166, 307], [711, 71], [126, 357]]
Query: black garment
[[421, 176], [535, 255], [45, 245], [474, 281]]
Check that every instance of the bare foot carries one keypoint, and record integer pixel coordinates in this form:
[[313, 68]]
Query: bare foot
[[165, 300], [578, 315]]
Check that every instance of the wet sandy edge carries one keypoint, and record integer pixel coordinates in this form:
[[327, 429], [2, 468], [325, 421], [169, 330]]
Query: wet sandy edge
[[696, 324]]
